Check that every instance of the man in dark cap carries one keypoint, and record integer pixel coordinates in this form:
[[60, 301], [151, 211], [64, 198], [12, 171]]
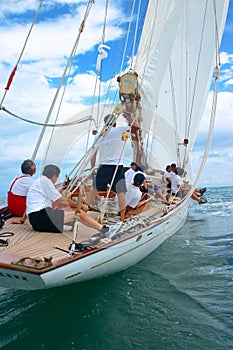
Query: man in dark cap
[[134, 195], [130, 173]]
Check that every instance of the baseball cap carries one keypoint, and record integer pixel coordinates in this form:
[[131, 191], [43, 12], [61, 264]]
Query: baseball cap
[[138, 179]]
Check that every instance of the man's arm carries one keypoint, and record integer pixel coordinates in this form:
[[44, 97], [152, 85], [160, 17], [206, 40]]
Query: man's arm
[[93, 160], [168, 179], [131, 121], [66, 203]]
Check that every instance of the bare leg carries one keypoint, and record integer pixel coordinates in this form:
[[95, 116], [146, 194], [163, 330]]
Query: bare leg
[[91, 196], [195, 197], [122, 205], [69, 216], [89, 221], [160, 194]]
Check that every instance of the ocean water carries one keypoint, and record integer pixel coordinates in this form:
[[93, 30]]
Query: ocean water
[[179, 297]]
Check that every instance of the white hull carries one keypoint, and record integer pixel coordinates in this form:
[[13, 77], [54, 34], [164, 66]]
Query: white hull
[[106, 261]]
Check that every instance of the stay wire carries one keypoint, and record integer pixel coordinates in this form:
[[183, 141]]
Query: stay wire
[[48, 124], [197, 70], [100, 78], [81, 28], [214, 103], [21, 54]]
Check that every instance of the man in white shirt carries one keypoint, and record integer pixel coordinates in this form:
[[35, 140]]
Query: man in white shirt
[[18, 190], [130, 173], [111, 170], [167, 176], [176, 182], [133, 194], [132, 198], [180, 188], [41, 199]]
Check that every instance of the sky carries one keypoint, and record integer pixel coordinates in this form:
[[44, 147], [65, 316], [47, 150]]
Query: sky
[[43, 62]]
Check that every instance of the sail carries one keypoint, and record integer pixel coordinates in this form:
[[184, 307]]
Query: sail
[[68, 144], [175, 64], [159, 84]]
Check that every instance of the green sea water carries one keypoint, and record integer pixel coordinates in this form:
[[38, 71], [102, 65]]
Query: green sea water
[[179, 297]]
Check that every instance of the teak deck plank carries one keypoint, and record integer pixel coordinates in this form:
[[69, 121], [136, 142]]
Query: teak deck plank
[[29, 243]]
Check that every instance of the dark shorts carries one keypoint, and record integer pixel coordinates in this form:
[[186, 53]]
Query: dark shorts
[[47, 220], [180, 194], [104, 177]]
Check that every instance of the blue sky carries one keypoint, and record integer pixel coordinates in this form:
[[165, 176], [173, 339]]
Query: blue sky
[[43, 62]]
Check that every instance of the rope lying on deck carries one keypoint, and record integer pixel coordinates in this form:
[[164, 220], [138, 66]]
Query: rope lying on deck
[[5, 242]]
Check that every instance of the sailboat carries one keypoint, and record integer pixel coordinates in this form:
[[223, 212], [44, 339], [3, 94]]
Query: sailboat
[[161, 76]]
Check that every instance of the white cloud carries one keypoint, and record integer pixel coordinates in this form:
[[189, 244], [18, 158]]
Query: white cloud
[[224, 121], [226, 74], [218, 167], [226, 58], [17, 6], [220, 161], [53, 40], [45, 56], [229, 82]]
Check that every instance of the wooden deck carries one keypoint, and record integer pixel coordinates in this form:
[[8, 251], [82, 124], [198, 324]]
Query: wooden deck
[[25, 242], [29, 243]]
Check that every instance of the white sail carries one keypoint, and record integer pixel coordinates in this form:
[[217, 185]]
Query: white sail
[[175, 63]]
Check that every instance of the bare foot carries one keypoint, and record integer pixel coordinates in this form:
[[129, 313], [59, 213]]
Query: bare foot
[[16, 221]]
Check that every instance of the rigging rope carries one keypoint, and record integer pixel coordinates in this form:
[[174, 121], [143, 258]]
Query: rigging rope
[[214, 105], [149, 46], [174, 112], [101, 55], [21, 54], [105, 202], [210, 133], [197, 69], [57, 114], [69, 62], [49, 125], [111, 85], [135, 35], [87, 157], [216, 36], [188, 126], [127, 37], [187, 77]]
